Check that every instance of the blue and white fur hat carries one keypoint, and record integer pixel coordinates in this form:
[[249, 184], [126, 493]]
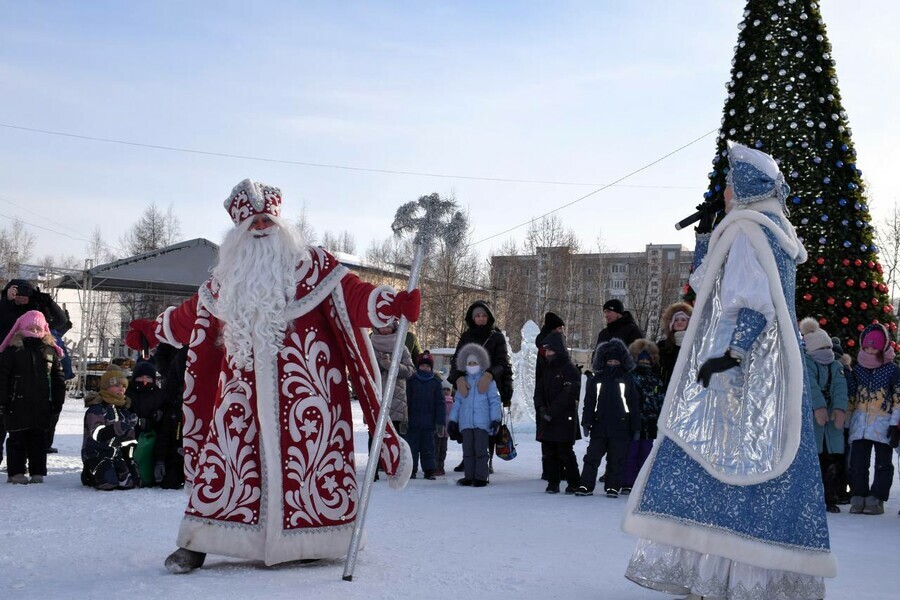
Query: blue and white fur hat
[[755, 176]]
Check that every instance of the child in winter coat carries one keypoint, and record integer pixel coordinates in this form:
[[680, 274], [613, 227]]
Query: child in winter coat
[[646, 356], [556, 404], [145, 399], [828, 397], [440, 437], [32, 388], [109, 438], [874, 390], [475, 416], [611, 417], [425, 403]]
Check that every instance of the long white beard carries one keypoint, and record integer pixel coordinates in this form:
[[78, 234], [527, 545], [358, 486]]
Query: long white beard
[[256, 277]]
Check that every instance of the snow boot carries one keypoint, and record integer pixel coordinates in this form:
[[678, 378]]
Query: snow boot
[[184, 561], [36, 479], [583, 491], [464, 482], [428, 475], [479, 483], [873, 506], [20, 479], [612, 493], [552, 488], [459, 468], [857, 504]]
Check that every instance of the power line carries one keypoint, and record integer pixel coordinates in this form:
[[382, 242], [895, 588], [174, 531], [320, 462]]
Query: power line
[[332, 166], [604, 187], [44, 228], [10, 202]]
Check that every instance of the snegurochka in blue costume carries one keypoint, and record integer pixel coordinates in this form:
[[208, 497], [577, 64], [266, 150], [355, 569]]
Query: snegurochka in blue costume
[[730, 502]]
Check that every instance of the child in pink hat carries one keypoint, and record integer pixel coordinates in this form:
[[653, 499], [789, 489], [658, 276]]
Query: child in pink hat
[[874, 393], [29, 357]]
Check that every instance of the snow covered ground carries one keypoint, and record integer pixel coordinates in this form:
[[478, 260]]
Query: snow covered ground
[[509, 540]]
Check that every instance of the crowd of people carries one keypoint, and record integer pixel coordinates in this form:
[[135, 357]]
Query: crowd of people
[[732, 404]]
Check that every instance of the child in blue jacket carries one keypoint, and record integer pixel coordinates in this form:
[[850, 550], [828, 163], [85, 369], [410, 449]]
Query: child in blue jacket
[[476, 416]]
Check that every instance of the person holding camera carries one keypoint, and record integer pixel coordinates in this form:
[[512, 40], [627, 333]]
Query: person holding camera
[[17, 298]]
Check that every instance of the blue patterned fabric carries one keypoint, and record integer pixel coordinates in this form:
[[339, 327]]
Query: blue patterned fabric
[[678, 488], [700, 249], [750, 324]]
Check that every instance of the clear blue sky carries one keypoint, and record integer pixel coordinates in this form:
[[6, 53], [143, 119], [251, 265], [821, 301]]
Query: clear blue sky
[[563, 91]]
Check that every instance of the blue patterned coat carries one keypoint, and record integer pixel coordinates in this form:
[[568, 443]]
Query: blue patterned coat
[[770, 513]]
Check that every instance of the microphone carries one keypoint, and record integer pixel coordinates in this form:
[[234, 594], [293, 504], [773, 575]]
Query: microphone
[[714, 207]]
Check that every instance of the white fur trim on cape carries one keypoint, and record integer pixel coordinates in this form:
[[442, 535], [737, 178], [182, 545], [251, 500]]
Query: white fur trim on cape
[[167, 336], [399, 480], [747, 221]]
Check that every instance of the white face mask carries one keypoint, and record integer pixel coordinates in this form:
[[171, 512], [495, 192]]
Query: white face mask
[[473, 369]]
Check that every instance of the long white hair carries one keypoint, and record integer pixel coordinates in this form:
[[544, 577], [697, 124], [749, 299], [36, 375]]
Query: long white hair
[[256, 277]]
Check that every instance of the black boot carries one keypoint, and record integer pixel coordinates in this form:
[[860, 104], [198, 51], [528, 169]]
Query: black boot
[[184, 561]]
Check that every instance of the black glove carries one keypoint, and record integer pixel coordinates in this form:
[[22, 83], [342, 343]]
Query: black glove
[[495, 427], [106, 433], [715, 365], [705, 225], [453, 430], [894, 436], [545, 415]]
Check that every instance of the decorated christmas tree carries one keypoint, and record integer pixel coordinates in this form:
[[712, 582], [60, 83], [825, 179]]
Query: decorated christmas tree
[[783, 99]]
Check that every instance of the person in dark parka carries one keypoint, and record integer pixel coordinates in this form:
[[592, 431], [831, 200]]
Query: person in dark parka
[[481, 330], [611, 416], [32, 388], [556, 405], [427, 414], [619, 324], [552, 322]]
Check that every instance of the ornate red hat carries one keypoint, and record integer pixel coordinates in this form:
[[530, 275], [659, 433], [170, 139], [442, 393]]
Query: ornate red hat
[[250, 198]]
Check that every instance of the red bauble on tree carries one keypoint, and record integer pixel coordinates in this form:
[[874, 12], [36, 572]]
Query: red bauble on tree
[[860, 327], [807, 297], [844, 320], [850, 343], [823, 321], [863, 306], [863, 285], [849, 283], [830, 301], [820, 261], [857, 263], [814, 279], [829, 284], [845, 262], [848, 304]]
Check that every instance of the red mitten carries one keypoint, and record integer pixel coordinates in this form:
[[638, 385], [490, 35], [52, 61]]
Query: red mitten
[[407, 304], [141, 332]]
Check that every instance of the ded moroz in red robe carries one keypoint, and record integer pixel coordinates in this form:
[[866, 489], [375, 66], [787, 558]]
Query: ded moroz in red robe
[[268, 454]]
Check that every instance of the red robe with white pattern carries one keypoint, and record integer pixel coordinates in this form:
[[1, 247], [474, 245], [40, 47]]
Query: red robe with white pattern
[[268, 453]]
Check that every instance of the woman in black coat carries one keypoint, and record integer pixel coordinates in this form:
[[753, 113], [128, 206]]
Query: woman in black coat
[[556, 404], [32, 388], [481, 330]]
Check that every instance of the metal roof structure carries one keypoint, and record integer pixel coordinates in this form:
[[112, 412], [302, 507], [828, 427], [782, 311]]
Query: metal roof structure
[[175, 270]]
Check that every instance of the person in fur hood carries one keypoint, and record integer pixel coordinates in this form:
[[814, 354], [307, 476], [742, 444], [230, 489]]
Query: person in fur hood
[[475, 415], [828, 397], [32, 388], [646, 376], [109, 438], [674, 323]]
